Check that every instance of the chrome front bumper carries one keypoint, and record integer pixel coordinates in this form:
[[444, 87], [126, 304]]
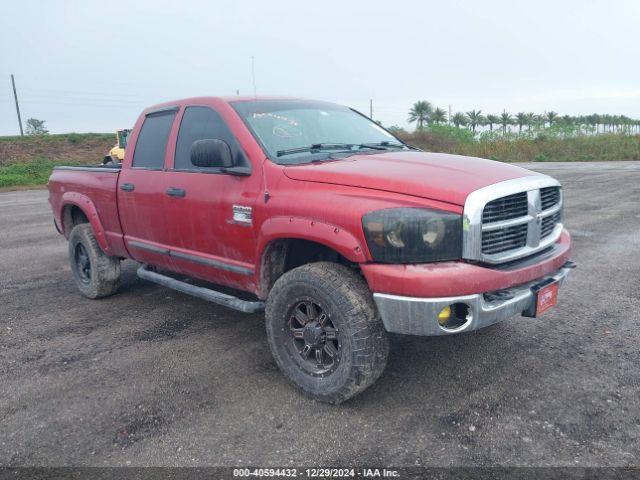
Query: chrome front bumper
[[419, 316]]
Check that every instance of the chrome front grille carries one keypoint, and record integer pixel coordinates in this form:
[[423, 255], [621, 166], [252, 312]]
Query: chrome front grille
[[512, 206], [548, 224], [512, 219], [508, 238], [549, 196]]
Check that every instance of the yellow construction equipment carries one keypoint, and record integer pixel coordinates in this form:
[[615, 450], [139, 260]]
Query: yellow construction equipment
[[116, 154]]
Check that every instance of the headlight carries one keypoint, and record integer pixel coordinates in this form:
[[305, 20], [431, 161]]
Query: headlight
[[413, 235]]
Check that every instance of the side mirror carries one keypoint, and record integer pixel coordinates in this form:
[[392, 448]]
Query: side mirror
[[211, 153]]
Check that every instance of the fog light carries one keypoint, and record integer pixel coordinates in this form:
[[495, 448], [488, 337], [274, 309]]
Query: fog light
[[454, 317], [444, 316]]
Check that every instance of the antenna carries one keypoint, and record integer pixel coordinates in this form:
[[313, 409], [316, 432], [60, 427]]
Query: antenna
[[253, 74]]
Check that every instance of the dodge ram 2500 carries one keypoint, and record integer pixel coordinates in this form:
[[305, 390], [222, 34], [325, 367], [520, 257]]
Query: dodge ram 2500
[[315, 214]]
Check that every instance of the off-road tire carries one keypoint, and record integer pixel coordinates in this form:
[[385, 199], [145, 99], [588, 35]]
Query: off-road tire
[[103, 276], [345, 297]]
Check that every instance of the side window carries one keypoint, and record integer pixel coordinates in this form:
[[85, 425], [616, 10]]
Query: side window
[[199, 123], [152, 141]]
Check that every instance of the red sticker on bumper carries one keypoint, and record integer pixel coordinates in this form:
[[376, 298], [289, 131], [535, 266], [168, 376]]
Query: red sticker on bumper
[[547, 298]]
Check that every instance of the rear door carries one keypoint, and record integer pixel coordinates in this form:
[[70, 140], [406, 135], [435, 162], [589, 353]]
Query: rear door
[[210, 218], [141, 191]]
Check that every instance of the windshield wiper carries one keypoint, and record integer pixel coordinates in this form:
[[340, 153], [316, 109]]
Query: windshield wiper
[[386, 144], [317, 147], [395, 144]]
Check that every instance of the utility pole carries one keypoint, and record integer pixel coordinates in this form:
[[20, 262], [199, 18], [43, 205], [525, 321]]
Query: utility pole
[[15, 96], [371, 108], [449, 122]]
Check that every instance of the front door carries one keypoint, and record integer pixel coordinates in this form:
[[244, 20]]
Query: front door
[[209, 213], [141, 192]]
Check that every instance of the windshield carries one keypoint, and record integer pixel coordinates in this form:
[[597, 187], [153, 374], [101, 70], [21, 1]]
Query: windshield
[[300, 131]]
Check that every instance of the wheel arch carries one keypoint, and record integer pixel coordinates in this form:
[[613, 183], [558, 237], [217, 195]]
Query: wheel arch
[[77, 208], [288, 242]]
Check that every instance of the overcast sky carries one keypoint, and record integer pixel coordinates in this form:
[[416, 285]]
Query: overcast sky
[[93, 65]]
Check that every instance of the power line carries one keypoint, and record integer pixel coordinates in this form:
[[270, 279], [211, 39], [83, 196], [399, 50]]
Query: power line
[[91, 98], [72, 100], [42, 91], [139, 106]]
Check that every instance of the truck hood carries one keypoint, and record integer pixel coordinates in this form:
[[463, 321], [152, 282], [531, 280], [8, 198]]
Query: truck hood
[[436, 176]]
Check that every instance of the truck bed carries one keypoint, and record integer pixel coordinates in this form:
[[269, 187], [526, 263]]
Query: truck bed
[[93, 190]]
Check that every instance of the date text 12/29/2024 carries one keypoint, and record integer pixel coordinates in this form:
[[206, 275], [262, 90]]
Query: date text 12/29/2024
[[317, 472]]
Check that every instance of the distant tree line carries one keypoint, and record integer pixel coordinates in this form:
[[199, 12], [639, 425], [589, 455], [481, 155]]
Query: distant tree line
[[423, 114]]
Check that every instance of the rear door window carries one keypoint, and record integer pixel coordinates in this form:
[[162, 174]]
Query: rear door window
[[152, 141], [199, 123]]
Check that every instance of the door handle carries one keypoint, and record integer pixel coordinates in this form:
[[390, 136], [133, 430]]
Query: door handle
[[176, 192], [127, 187]]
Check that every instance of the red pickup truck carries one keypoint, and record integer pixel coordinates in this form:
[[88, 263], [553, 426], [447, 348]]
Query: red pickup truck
[[314, 213]]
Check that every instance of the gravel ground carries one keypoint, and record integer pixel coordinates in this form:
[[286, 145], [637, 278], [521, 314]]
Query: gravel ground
[[153, 377]]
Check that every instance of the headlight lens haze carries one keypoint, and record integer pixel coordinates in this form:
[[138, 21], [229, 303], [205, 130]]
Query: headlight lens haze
[[413, 235]]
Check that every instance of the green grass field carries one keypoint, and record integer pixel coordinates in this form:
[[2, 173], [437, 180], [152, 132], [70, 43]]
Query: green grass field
[[33, 173], [28, 161]]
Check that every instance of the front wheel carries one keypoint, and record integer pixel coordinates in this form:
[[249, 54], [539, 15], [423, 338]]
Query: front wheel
[[324, 331], [96, 274]]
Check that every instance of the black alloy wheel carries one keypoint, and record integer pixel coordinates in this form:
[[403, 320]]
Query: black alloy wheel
[[83, 263], [315, 342], [324, 331]]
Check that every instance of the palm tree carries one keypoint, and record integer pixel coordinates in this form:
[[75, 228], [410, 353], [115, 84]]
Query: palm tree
[[505, 120], [594, 120], [475, 118], [569, 121], [491, 120], [460, 120], [531, 117], [618, 121], [439, 116], [421, 113], [539, 120], [521, 120], [551, 117]]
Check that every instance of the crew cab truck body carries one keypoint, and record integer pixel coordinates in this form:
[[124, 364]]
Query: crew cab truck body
[[335, 227]]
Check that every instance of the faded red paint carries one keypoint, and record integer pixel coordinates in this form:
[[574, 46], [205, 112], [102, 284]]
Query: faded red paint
[[449, 279], [323, 203], [437, 176]]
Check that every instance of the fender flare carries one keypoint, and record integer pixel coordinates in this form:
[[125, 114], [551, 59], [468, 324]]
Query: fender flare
[[288, 227], [87, 207], [331, 236]]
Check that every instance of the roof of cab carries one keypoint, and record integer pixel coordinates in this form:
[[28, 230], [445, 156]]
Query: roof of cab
[[225, 99]]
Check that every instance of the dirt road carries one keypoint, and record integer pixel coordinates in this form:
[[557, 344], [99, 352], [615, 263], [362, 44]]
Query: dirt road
[[153, 377]]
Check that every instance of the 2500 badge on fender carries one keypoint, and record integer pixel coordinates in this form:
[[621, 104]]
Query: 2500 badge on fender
[[339, 231]]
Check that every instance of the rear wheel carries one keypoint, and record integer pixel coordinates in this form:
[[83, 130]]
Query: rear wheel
[[324, 331], [96, 274]]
